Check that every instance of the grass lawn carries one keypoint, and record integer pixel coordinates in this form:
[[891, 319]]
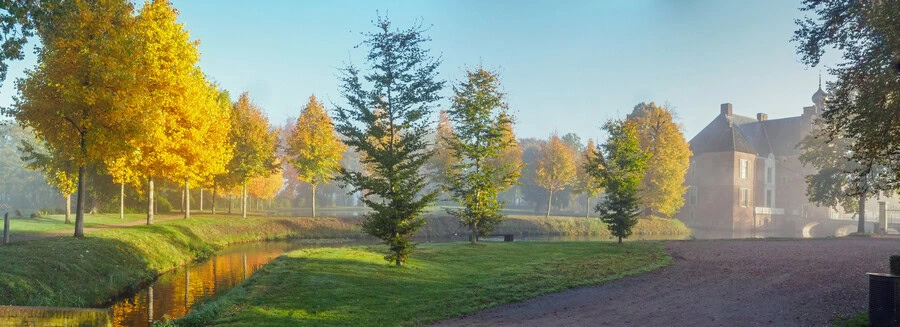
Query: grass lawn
[[860, 319], [355, 286], [52, 223]]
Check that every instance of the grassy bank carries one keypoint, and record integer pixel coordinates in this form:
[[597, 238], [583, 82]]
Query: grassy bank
[[355, 286], [52, 223], [519, 225], [63, 271]]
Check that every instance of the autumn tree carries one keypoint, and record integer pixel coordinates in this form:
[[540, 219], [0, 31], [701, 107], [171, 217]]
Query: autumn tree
[[254, 144], [443, 161], [662, 189], [510, 159], [585, 183], [864, 101], [620, 166], [266, 187], [77, 99], [556, 167], [314, 149], [479, 115], [386, 121]]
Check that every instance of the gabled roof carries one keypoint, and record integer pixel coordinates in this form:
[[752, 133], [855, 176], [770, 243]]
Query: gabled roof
[[744, 134]]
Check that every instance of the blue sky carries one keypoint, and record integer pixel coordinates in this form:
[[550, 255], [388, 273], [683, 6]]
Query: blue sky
[[567, 66]]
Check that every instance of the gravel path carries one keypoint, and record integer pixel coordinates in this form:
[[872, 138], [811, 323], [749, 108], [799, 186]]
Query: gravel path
[[718, 283]]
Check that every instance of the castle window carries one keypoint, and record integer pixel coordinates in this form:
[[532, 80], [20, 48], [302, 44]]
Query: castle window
[[745, 165], [745, 197], [769, 179], [769, 199]]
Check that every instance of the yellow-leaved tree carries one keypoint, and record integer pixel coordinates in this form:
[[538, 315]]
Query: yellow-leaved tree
[[254, 142], [57, 172], [662, 189], [80, 98], [314, 148], [555, 168]]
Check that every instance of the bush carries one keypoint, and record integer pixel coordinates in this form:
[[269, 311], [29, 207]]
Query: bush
[[895, 265], [163, 205]]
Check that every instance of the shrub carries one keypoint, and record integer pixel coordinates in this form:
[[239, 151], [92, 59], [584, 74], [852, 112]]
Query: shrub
[[163, 205], [895, 265]]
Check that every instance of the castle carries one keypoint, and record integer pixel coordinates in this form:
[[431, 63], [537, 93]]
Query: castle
[[745, 177]]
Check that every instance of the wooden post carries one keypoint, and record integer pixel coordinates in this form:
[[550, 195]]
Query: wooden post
[[6, 228]]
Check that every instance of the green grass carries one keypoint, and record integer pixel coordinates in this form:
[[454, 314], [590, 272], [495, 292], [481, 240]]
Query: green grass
[[64, 271], [860, 319], [52, 223], [355, 286]]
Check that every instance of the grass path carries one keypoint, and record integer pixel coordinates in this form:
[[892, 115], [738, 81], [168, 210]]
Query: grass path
[[354, 286]]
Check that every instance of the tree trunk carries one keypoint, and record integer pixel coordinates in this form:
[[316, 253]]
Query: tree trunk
[[230, 203], [313, 200], [182, 199], [150, 203], [214, 199], [549, 203], [474, 227], [68, 208], [587, 206], [861, 228], [201, 199], [620, 240], [122, 201], [187, 199], [244, 200], [79, 202]]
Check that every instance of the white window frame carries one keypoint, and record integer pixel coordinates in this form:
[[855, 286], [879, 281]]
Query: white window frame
[[770, 175], [744, 167], [744, 197]]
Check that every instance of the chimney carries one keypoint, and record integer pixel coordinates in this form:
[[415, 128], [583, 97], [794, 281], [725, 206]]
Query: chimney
[[725, 109], [762, 117]]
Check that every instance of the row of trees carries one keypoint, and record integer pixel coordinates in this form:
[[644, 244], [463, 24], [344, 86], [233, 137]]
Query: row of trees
[[855, 146], [119, 91]]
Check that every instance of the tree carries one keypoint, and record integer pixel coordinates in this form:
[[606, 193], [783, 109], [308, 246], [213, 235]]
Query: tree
[[662, 189], [620, 165], [254, 147], [510, 159], [57, 172], [265, 188], [314, 149], [840, 180], [19, 20], [443, 161], [865, 99], [387, 124], [479, 113], [585, 183], [556, 168], [76, 99]]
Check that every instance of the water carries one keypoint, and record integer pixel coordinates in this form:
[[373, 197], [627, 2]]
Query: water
[[175, 292]]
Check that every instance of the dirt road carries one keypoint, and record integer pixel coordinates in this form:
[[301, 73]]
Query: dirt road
[[718, 283]]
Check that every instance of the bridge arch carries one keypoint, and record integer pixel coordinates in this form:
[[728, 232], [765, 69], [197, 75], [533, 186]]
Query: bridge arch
[[808, 229]]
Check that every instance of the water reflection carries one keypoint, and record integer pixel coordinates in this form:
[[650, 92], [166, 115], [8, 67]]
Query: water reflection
[[176, 292]]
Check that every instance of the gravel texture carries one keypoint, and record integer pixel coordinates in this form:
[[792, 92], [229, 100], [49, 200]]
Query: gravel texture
[[718, 283]]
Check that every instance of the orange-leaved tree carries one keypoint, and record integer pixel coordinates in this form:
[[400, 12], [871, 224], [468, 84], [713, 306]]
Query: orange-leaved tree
[[314, 148]]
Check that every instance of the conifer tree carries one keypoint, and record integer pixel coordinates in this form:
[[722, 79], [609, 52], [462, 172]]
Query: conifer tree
[[620, 165], [479, 114], [386, 122], [313, 148]]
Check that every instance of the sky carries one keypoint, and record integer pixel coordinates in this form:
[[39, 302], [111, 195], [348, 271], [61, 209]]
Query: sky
[[566, 66]]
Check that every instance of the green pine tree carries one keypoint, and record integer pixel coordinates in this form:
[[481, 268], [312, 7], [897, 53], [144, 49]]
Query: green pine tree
[[386, 121], [619, 166]]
